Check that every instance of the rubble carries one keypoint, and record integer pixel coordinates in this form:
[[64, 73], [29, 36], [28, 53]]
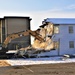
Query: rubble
[[46, 32], [26, 48]]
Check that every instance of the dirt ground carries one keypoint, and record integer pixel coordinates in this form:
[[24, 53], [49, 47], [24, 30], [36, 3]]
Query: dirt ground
[[3, 63], [47, 69]]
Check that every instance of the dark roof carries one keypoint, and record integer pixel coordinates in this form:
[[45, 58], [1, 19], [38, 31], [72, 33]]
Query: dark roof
[[60, 20], [1, 18], [42, 25], [16, 17]]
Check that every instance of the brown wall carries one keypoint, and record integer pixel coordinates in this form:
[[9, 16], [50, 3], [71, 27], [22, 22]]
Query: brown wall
[[14, 25], [0, 31]]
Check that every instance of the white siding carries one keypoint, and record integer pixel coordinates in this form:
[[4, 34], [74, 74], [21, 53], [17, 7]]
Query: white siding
[[64, 37]]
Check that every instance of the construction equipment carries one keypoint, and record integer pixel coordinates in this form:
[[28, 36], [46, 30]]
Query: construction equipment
[[3, 47], [20, 34]]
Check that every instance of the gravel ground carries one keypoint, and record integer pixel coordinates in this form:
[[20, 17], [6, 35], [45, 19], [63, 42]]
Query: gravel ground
[[46, 69]]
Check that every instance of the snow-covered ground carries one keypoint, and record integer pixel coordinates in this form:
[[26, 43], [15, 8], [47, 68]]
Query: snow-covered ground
[[32, 61]]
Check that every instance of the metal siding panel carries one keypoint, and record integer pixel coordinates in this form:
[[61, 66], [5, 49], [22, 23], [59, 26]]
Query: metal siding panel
[[15, 25], [0, 31]]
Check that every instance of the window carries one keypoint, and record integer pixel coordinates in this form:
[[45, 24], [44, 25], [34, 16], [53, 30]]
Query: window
[[56, 29], [70, 29], [71, 44]]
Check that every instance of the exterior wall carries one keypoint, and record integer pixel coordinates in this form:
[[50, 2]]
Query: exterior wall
[[14, 25], [3, 30], [64, 37], [0, 31], [9, 25]]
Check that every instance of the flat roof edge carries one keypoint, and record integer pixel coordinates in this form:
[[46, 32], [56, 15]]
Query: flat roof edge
[[27, 17]]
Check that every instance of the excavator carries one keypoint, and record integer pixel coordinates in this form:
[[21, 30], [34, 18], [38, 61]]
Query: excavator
[[20, 34], [3, 47]]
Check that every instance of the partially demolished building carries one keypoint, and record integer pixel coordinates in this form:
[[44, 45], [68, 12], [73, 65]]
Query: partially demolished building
[[59, 36]]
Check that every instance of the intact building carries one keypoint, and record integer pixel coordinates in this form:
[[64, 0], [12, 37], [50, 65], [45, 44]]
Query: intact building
[[14, 24], [62, 31]]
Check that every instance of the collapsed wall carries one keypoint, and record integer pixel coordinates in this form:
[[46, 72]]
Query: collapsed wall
[[46, 32]]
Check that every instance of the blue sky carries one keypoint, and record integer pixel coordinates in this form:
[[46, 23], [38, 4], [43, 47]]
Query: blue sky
[[36, 5], [38, 9]]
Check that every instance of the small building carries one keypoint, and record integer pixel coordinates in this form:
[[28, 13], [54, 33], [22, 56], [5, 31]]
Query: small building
[[62, 33], [14, 24]]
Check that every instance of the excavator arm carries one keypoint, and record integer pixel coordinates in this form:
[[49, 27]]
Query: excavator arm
[[20, 34]]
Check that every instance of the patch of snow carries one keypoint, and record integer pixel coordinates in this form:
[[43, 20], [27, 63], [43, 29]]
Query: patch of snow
[[12, 51], [33, 61]]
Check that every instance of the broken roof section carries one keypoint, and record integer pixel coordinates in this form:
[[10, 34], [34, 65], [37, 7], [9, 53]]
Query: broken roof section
[[60, 20]]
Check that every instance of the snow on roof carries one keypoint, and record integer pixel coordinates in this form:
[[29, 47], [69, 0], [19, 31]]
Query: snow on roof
[[60, 20]]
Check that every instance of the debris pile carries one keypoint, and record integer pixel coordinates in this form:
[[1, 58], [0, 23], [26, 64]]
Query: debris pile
[[46, 32]]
